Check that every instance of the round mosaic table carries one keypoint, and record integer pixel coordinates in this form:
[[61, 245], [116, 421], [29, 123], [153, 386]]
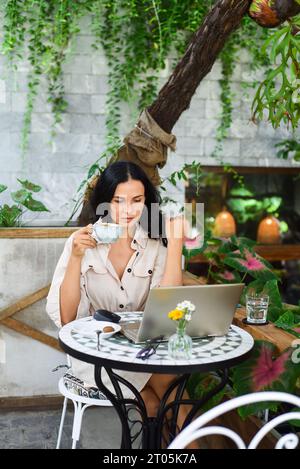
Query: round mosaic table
[[118, 353]]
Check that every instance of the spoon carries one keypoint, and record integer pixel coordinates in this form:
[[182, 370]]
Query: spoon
[[105, 329], [98, 339]]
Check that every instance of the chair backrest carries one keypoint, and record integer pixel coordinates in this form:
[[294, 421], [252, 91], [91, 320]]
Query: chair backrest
[[198, 429]]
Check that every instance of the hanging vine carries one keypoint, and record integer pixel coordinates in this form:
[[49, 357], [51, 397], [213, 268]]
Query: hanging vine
[[137, 37]]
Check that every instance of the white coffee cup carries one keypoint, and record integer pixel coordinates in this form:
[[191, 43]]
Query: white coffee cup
[[106, 232]]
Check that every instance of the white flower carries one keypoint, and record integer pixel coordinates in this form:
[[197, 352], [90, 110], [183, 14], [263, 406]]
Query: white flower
[[186, 306]]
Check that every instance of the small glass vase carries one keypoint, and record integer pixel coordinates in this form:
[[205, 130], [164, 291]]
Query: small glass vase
[[180, 345]]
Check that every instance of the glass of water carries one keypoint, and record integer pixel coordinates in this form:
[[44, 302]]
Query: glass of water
[[257, 308]]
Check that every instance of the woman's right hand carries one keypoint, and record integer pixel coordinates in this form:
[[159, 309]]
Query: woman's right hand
[[82, 240]]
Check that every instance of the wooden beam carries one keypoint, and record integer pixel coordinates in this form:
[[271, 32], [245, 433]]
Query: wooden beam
[[280, 338], [63, 232], [191, 279], [270, 252], [28, 331], [278, 252], [24, 303], [18, 326], [48, 402], [252, 170]]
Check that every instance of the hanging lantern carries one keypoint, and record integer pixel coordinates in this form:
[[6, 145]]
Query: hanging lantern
[[269, 231], [224, 224]]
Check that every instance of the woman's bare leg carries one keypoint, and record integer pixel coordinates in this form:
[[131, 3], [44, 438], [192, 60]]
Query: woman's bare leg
[[159, 384], [151, 400]]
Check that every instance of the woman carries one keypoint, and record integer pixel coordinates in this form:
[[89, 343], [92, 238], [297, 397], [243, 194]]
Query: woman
[[118, 276]]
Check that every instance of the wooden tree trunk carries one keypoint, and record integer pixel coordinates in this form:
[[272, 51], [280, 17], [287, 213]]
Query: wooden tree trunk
[[202, 52]]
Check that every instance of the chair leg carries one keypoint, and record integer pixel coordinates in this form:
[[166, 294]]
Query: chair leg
[[74, 442], [62, 421], [79, 411], [76, 423]]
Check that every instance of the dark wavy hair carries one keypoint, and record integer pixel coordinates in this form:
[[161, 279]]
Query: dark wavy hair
[[103, 192]]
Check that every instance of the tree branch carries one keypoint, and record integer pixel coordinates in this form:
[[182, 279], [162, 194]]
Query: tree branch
[[202, 52]]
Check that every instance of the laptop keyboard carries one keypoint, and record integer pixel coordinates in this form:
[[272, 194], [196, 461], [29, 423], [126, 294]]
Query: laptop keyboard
[[131, 329]]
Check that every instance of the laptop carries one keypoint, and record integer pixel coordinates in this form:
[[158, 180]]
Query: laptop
[[215, 308]]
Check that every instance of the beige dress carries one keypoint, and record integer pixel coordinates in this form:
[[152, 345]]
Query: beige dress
[[101, 287]]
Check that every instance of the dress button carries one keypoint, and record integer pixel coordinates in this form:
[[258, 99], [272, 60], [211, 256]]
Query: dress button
[[149, 271], [134, 241], [129, 270], [121, 306], [137, 253], [122, 288]]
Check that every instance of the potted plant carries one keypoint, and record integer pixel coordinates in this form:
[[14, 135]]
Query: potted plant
[[10, 215]]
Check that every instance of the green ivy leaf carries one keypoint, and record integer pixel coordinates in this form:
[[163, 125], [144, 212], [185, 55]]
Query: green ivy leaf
[[286, 321], [92, 170], [256, 285], [200, 384], [34, 205], [29, 185], [20, 196], [241, 192], [9, 215], [271, 288], [82, 184], [295, 423], [246, 242], [297, 156], [2, 188]]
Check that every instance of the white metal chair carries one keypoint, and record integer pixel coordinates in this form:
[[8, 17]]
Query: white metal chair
[[80, 405], [197, 428]]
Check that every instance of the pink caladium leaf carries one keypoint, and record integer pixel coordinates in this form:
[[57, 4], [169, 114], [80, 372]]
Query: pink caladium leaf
[[265, 371], [251, 263], [227, 276]]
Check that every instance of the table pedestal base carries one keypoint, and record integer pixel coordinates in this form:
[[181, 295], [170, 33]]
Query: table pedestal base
[[155, 432]]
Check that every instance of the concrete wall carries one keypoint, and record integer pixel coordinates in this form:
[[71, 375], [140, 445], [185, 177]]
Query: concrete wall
[[60, 166], [25, 364]]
